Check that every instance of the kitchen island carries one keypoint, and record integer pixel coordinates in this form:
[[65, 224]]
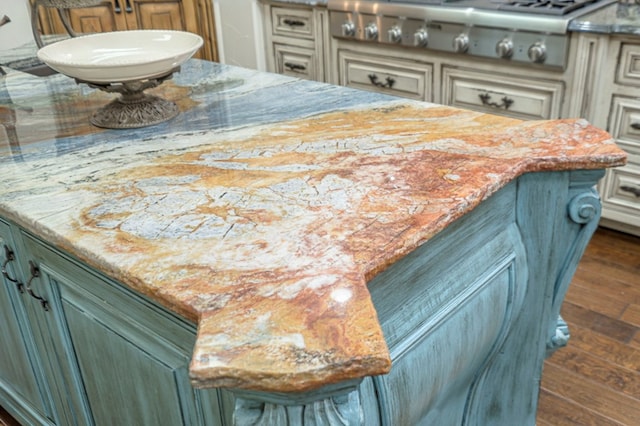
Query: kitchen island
[[284, 251]]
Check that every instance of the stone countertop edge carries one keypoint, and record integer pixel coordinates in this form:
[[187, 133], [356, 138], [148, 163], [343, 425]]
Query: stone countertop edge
[[263, 210], [616, 18]]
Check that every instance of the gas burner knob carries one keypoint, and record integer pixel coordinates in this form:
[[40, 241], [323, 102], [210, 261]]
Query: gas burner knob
[[537, 52], [348, 29], [504, 48], [461, 43], [421, 38], [371, 31], [395, 34]]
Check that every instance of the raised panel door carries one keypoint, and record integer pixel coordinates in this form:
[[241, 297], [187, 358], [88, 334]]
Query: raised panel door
[[102, 18], [157, 15], [20, 392], [130, 356]]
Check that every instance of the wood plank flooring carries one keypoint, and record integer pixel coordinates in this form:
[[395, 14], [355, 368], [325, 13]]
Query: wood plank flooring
[[595, 380]]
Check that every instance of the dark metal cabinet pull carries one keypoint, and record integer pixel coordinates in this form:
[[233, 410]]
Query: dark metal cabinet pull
[[486, 100], [293, 22], [117, 8], [10, 257], [35, 273], [631, 189], [294, 67], [374, 80], [635, 126], [127, 7]]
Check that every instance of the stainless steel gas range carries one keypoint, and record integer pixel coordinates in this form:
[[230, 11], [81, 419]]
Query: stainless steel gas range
[[520, 31]]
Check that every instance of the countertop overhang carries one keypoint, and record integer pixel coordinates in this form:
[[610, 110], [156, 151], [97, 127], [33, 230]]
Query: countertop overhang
[[265, 207]]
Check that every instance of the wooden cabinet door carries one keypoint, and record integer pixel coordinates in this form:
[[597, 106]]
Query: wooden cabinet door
[[98, 19], [19, 389], [128, 357], [157, 15]]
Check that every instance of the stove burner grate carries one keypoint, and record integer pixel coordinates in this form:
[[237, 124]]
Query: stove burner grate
[[546, 7]]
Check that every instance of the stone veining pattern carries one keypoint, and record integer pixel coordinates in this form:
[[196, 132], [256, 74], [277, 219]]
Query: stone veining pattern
[[265, 207]]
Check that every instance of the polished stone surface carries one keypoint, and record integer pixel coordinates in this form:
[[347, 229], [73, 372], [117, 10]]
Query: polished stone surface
[[263, 209], [616, 18]]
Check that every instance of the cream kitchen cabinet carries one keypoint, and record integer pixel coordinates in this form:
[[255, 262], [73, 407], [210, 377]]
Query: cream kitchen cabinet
[[195, 16], [296, 36], [615, 106], [80, 349]]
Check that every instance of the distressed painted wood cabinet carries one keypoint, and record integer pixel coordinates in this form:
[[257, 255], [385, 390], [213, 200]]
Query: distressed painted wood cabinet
[[467, 317], [100, 354]]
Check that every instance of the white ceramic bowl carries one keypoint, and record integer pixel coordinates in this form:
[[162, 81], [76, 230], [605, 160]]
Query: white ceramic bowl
[[121, 56]]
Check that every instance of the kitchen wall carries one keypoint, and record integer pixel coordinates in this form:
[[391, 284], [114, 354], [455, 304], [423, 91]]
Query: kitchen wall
[[18, 31], [239, 33]]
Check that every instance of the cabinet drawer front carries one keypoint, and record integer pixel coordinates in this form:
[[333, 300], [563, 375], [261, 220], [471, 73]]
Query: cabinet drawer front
[[504, 95], [629, 65], [292, 22], [296, 62], [625, 120], [622, 187], [405, 79]]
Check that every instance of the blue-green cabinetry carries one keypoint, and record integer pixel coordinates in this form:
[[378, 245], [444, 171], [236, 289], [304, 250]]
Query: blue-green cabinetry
[[105, 355]]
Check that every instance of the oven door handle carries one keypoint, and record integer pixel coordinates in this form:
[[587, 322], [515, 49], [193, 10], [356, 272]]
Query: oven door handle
[[486, 100]]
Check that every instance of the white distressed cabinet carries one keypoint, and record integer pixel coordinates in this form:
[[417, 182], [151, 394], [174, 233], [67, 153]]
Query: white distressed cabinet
[[295, 37]]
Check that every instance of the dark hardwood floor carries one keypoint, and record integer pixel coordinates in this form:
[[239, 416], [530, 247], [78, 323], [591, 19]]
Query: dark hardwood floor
[[595, 380]]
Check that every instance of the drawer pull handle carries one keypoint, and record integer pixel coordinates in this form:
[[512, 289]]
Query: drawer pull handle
[[635, 126], [293, 22], [35, 273], [294, 67], [117, 8], [10, 257], [127, 7], [388, 85], [631, 189], [486, 100]]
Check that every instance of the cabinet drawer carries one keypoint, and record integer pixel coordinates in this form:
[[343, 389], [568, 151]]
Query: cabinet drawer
[[296, 62], [292, 22], [501, 94], [622, 188], [400, 78], [625, 120], [629, 65]]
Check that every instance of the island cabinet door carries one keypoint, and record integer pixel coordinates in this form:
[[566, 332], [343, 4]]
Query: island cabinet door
[[121, 359], [20, 390]]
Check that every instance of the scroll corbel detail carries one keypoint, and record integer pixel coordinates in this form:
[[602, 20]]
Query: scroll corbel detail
[[343, 409]]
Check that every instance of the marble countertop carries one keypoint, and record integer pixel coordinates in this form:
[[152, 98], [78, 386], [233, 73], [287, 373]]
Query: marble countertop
[[265, 207], [303, 2], [616, 18]]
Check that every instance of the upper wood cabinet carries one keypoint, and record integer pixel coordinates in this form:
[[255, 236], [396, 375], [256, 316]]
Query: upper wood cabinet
[[195, 16]]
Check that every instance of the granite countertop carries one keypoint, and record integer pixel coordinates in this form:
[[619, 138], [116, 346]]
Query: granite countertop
[[261, 211], [616, 18], [303, 2]]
